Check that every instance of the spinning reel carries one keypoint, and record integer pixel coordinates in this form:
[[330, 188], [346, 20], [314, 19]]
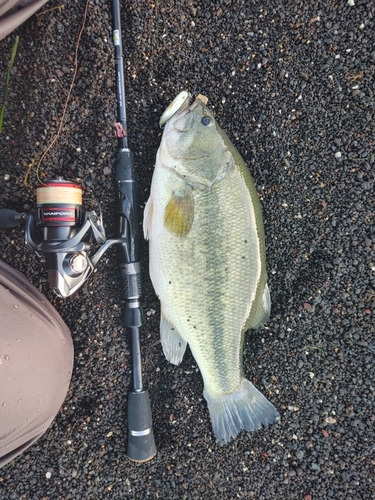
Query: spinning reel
[[62, 232]]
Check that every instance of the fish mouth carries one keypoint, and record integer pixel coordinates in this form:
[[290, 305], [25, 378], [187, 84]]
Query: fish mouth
[[195, 158], [185, 117], [185, 120], [179, 104], [181, 113]]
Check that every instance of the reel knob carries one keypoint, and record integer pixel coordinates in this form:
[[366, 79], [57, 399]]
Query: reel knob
[[78, 263], [10, 219]]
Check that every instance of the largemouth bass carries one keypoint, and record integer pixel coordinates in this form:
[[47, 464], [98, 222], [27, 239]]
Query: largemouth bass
[[207, 261]]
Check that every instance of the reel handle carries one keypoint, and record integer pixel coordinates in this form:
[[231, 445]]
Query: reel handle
[[10, 219]]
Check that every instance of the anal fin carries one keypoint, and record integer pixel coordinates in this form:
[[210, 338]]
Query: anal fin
[[173, 344]]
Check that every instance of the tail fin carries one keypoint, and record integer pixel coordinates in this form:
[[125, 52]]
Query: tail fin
[[246, 409]]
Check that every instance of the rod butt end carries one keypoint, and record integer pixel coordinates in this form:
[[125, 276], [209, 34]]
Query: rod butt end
[[141, 443]]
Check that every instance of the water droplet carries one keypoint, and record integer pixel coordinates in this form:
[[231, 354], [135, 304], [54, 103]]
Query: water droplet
[[19, 340], [6, 357], [4, 404], [31, 316], [19, 400], [16, 306], [8, 346], [5, 315]]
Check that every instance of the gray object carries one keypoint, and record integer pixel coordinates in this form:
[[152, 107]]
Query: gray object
[[14, 13], [36, 362]]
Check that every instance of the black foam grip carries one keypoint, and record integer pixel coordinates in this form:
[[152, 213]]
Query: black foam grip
[[141, 443]]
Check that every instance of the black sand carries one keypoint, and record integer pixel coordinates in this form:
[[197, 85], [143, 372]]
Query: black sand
[[292, 83]]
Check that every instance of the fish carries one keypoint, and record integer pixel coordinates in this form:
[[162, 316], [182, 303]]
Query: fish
[[207, 261]]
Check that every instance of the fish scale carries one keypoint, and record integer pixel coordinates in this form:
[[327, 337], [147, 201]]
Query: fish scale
[[224, 315], [208, 266]]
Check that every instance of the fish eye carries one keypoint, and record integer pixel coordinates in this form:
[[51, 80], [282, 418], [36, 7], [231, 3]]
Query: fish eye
[[206, 120]]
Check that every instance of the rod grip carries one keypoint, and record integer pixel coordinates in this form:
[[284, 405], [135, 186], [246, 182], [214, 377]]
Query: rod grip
[[141, 443], [125, 168], [131, 278]]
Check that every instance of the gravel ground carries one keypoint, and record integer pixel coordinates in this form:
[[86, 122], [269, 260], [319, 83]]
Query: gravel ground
[[292, 83]]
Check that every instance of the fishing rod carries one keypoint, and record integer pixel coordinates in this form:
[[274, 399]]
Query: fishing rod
[[141, 444], [63, 233]]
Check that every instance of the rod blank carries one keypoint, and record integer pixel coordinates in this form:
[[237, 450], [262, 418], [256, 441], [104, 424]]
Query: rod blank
[[141, 443]]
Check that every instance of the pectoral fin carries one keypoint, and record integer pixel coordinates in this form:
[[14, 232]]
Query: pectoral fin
[[179, 212], [173, 344]]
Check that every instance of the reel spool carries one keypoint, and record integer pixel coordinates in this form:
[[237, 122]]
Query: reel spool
[[59, 204]]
